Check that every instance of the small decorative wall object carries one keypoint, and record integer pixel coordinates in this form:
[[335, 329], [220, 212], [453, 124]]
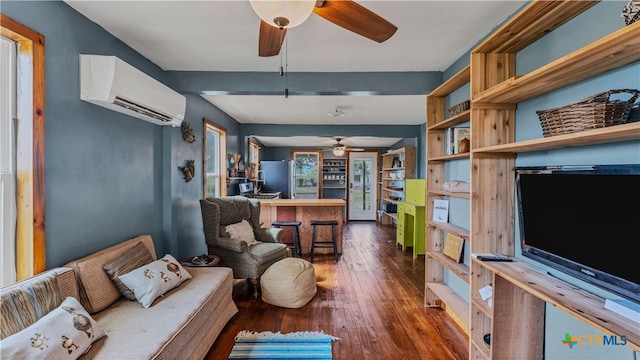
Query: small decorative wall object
[[631, 12], [187, 132], [188, 170]]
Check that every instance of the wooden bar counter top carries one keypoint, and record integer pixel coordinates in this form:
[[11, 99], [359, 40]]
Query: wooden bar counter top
[[305, 210]]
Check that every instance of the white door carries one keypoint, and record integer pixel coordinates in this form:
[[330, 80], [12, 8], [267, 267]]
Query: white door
[[363, 185]]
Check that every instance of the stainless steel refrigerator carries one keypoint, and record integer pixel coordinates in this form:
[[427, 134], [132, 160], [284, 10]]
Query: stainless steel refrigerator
[[276, 176]]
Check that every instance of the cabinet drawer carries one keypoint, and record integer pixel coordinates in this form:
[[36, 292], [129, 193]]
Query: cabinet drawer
[[400, 235], [400, 216]]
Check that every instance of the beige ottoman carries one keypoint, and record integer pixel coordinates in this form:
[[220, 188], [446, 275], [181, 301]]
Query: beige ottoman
[[289, 283]]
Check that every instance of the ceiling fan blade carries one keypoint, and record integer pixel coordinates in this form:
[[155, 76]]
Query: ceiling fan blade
[[355, 17], [270, 40]]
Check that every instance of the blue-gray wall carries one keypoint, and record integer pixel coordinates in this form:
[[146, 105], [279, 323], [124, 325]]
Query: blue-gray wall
[[110, 177]]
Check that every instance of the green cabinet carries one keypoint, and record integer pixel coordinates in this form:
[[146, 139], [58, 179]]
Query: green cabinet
[[411, 218]]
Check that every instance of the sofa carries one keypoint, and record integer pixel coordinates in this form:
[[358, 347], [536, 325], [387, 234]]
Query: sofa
[[182, 323]]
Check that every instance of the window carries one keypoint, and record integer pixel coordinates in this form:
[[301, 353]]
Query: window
[[214, 159], [28, 140], [254, 158], [7, 160]]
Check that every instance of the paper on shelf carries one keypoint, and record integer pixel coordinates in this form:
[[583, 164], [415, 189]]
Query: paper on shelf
[[441, 210]]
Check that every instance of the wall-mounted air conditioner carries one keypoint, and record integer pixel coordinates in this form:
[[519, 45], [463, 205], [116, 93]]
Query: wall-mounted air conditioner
[[110, 82]]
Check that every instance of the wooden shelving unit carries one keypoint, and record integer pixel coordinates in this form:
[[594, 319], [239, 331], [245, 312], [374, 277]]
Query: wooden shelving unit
[[519, 288], [397, 165], [437, 293], [334, 178]]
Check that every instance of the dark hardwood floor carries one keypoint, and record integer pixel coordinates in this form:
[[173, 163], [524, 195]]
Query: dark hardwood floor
[[372, 299]]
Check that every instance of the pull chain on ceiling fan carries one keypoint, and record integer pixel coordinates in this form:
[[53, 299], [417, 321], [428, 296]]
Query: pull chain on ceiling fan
[[278, 16]]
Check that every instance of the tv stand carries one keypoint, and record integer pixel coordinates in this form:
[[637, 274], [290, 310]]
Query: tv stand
[[545, 287]]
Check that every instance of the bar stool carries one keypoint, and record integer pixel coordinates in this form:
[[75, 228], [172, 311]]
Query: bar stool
[[333, 243], [295, 225]]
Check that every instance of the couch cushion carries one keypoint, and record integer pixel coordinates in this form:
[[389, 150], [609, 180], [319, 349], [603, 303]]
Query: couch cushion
[[152, 280], [97, 291], [162, 330], [22, 304], [66, 332], [266, 252], [131, 260]]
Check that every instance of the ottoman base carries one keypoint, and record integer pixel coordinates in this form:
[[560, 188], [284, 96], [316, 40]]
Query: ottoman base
[[289, 283]]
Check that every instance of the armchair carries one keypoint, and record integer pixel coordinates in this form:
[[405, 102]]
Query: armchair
[[247, 262]]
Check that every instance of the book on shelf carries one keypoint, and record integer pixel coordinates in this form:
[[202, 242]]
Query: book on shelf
[[454, 139], [453, 245], [441, 210], [626, 308]]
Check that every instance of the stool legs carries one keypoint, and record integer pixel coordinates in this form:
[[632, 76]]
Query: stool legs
[[333, 243], [297, 249], [296, 242]]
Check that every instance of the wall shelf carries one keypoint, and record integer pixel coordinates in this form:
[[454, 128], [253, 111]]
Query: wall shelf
[[396, 166], [452, 303], [334, 178], [517, 286], [438, 293], [461, 270]]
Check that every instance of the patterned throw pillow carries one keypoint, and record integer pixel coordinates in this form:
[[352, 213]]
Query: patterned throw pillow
[[242, 231], [66, 332], [152, 280], [138, 255]]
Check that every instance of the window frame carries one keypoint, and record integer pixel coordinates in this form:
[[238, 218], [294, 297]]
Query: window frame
[[30, 146], [253, 155], [222, 156]]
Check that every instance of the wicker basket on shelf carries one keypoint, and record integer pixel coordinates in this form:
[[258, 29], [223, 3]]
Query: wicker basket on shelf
[[597, 111], [458, 108]]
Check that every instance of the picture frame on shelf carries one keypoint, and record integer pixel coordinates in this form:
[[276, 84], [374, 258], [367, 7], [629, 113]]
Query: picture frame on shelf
[[453, 246]]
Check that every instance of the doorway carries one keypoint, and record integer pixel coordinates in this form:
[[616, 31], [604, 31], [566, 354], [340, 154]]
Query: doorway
[[363, 189]]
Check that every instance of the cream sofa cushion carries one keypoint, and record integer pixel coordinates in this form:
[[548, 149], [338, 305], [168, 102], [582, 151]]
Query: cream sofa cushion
[[97, 291]]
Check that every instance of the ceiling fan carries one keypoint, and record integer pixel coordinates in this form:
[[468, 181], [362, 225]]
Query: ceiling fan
[[338, 148], [278, 16]]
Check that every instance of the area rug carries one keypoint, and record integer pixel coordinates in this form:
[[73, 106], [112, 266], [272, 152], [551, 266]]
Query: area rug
[[269, 345]]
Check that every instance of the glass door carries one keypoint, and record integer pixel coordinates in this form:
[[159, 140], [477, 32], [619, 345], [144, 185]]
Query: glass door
[[363, 188], [306, 174]]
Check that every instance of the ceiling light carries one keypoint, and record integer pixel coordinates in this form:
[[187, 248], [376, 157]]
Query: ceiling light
[[338, 151], [337, 112], [283, 14]]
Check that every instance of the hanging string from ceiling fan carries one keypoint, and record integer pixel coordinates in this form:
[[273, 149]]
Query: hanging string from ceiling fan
[[284, 71]]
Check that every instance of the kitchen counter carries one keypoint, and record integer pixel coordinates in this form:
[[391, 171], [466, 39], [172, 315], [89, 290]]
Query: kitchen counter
[[302, 202], [305, 210]]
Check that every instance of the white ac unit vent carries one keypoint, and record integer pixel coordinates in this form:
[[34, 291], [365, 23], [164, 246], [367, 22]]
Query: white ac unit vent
[[110, 82]]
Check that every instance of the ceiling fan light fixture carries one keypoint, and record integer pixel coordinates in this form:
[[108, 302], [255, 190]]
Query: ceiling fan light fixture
[[283, 13], [338, 151]]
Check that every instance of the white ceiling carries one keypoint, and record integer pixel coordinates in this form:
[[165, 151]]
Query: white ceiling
[[215, 35]]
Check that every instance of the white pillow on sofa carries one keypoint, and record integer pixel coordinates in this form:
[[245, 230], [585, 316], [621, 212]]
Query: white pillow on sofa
[[152, 280], [66, 332], [242, 231]]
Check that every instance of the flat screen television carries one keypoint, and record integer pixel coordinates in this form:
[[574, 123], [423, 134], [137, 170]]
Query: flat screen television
[[584, 221]]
